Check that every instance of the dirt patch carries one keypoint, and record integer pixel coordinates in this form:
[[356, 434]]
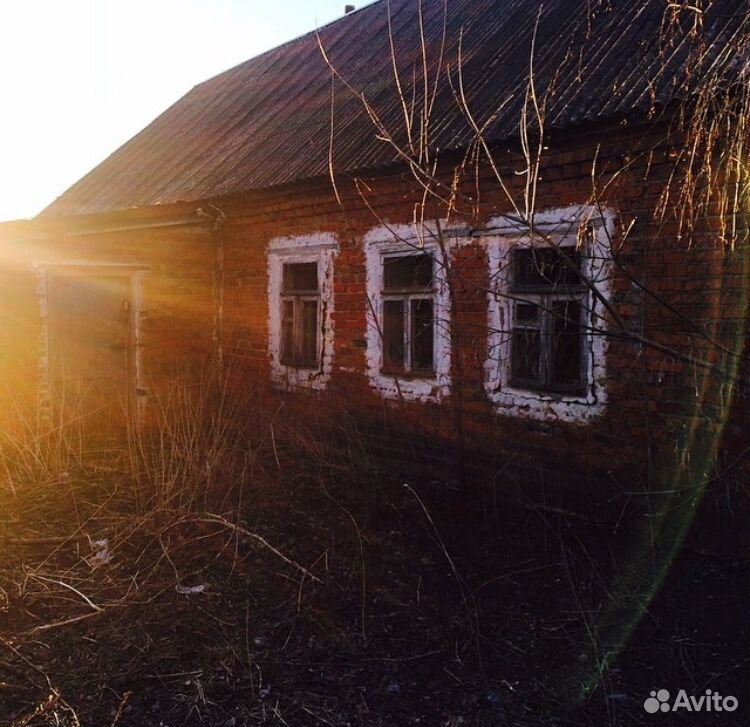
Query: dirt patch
[[324, 598]]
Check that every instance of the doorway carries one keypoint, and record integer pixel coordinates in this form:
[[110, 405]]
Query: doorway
[[92, 348]]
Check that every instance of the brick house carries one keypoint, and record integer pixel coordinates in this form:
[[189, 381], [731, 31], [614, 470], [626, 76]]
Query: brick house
[[493, 290]]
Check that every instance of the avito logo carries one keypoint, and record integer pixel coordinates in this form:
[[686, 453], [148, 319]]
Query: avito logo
[[659, 701]]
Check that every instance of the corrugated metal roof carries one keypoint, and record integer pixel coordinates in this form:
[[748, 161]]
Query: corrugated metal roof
[[268, 121]]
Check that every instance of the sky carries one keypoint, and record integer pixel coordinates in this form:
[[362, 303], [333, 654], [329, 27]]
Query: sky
[[79, 77]]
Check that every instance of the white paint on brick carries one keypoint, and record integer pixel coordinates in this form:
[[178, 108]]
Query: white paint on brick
[[321, 247], [394, 239], [562, 226]]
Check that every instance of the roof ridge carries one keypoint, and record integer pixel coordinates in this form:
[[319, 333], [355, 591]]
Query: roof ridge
[[344, 18]]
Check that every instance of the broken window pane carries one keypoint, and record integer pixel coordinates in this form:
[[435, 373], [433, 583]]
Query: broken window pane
[[546, 267], [300, 277], [565, 357], [423, 335], [393, 335], [408, 272]]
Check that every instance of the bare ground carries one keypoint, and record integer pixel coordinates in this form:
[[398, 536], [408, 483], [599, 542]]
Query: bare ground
[[325, 596]]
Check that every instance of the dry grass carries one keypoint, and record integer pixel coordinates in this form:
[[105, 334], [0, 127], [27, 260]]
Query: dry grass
[[92, 534], [232, 567]]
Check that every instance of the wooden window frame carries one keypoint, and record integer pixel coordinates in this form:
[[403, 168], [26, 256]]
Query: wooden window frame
[[298, 297], [543, 297], [407, 296]]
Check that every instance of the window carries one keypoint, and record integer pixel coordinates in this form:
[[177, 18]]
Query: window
[[548, 332], [408, 341], [300, 305], [408, 322], [547, 316], [300, 310]]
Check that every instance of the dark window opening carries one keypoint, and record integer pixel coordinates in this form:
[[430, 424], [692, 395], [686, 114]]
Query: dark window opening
[[423, 335], [393, 335], [527, 350], [547, 267], [309, 332], [408, 272], [287, 328], [548, 332], [300, 306], [300, 278], [566, 355]]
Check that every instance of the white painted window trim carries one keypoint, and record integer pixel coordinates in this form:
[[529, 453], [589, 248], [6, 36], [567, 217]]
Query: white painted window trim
[[388, 240], [562, 226], [321, 248]]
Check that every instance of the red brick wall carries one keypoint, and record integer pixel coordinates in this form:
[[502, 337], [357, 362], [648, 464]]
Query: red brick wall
[[652, 394]]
